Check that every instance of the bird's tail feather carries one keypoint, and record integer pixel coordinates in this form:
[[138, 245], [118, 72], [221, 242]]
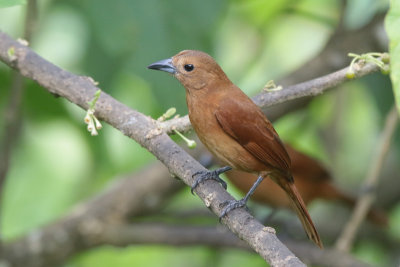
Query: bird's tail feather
[[302, 212]]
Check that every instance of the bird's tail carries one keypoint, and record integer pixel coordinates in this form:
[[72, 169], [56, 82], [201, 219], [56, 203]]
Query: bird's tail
[[301, 211]]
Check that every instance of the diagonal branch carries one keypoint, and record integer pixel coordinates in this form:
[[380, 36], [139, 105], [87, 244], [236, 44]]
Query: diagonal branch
[[79, 90]]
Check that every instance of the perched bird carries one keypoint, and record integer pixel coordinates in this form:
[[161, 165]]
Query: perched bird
[[234, 129], [312, 180]]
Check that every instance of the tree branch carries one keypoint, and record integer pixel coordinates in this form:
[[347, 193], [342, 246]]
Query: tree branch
[[182, 235], [83, 227], [79, 90]]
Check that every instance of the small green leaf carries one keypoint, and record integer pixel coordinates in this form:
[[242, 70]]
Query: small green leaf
[[94, 100], [9, 3], [169, 113], [392, 25]]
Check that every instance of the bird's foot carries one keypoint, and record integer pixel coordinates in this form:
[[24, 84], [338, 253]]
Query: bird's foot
[[210, 175], [231, 205]]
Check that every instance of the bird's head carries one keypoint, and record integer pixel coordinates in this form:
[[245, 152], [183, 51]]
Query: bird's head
[[194, 69]]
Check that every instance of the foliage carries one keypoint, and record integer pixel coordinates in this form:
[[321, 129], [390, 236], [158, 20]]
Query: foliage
[[392, 25], [9, 3]]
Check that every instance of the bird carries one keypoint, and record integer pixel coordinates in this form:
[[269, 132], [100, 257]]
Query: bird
[[312, 180], [234, 129]]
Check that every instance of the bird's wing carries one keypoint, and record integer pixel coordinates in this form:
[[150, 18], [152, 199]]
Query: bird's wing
[[249, 127]]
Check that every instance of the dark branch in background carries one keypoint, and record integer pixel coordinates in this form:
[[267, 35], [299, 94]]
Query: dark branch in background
[[140, 234], [79, 90], [12, 116], [346, 239], [84, 226]]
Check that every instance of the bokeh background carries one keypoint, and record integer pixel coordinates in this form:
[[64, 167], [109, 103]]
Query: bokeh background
[[55, 163]]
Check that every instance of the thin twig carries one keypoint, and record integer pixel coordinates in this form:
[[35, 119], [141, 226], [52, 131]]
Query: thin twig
[[346, 239]]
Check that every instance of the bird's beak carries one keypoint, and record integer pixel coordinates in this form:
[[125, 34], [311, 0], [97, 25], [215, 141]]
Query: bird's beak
[[164, 65]]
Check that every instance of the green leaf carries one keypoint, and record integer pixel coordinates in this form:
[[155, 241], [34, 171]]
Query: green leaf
[[8, 3], [392, 24]]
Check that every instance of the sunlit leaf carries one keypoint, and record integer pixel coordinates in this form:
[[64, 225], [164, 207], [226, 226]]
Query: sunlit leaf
[[8, 3], [392, 25]]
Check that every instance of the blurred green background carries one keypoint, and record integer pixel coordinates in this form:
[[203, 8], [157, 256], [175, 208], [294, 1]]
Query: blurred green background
[[55, 163]]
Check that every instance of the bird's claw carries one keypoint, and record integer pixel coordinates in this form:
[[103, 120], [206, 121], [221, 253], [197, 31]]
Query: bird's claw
[[210, 175], [231, 205]]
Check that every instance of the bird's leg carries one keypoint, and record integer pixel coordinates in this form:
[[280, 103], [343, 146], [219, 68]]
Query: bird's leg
[[234, 204], [210, 175]]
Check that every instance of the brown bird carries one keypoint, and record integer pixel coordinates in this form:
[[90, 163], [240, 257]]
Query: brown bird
[[234, 129], [312, 180]]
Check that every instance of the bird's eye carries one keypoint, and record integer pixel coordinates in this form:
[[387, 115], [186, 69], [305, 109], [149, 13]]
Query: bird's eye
[[188, 67]]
